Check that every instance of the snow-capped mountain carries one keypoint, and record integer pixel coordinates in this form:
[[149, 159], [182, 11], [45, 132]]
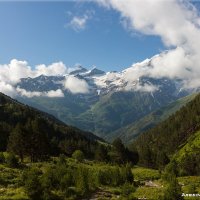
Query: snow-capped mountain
[[101, 83], [41, 83], [99, 101]]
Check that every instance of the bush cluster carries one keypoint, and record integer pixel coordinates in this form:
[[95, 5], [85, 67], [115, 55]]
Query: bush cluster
[[73, 182]]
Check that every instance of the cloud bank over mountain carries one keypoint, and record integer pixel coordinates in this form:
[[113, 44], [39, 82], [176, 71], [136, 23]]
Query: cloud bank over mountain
[[177, 23], [16, 69], [50, 93], [10, 75]]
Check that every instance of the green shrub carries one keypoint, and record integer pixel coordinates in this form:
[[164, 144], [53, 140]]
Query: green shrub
[[66, 181], [173, 191], [11, 160], [82, 181], [104, 176], [32, 184], [114, 176], [2, 157], [71, 192], [127, 189], [49, 179], [62, 159], [191, 189], [78, 155], [126, 174], [142, 174]]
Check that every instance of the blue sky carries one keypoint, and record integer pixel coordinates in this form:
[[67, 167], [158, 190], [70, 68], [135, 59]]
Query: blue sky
[[43, 33]]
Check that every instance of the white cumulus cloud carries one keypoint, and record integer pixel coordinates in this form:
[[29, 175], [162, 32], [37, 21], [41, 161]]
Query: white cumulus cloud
[[79, 22], [10, 75], [14, 71], [30, 94], [177, 24], [7, 89], [75, 85], [54, 69], [146, 88], [55, 93]]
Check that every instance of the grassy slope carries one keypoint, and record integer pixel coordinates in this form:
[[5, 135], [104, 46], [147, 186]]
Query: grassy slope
[[128, 133], [186, 183], [192, 146], [142, 174], [10, 184]]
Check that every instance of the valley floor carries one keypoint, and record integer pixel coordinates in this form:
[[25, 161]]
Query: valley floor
[[147, 183]]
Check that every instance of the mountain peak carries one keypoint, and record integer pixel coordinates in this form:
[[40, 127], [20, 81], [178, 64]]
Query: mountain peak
[[95, 71], [78, 69]]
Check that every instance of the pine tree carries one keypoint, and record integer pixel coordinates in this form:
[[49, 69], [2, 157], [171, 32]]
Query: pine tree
[[118, 153], [161, 160], [37, 144], [101, 153], [17, 141]]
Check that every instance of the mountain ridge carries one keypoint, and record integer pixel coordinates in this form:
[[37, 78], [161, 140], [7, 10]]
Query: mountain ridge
[[130, 132]]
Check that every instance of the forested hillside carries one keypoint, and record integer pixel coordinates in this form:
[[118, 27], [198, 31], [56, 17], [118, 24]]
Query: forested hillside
[[157, 145], [29, 132]]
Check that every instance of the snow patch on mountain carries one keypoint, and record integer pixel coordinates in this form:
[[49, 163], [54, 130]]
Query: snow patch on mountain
[[128, 79]]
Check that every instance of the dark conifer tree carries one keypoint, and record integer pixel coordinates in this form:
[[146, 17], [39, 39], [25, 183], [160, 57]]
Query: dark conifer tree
[[18, 141], [101, 153]]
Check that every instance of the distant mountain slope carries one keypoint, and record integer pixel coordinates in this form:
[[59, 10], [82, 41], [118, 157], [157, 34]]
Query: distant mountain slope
[[101, 113], [106, 102], [169, 136], [13, 113], [130, 132], [119, 109]]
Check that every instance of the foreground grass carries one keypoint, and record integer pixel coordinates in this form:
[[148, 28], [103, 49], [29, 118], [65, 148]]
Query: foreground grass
[[188, 180], [10, 184], [143, 174], [13, 193], [149, 193]]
